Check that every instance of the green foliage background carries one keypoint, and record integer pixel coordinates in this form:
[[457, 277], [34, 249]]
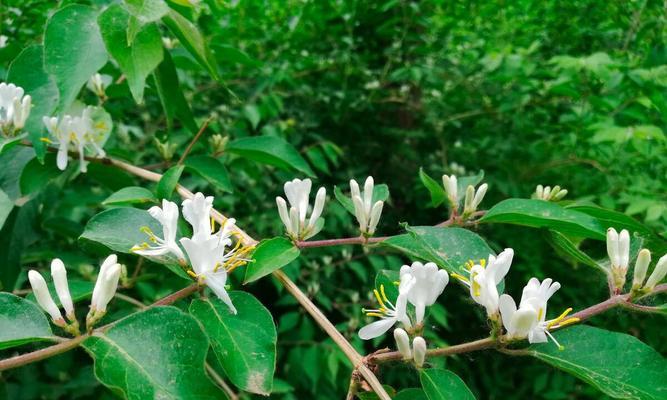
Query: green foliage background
[[531, 92]]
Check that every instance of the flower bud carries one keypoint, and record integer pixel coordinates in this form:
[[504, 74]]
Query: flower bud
[[624, 249], [108, 288], [451, 187], [468, 201], [612, 247], [97, 290], [419, 350], [641, 266], [59, 275], [403, 343], [479, 196], [658, 273], [44, 298]]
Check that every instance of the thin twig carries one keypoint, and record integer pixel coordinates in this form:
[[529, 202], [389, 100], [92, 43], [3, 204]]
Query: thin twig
[[194, 140], [221, 382]]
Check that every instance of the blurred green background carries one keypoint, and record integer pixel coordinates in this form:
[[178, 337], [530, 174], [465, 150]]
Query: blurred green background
[[532, 92]]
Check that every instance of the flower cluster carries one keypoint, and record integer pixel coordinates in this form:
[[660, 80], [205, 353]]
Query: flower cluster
[[366, 212], [14, 108], [419, 285], [299, 227], [103, 292], [210, 253], [76, 133], [473, 197], [547, 193]]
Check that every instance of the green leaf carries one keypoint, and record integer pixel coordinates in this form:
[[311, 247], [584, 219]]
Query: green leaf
[[380, 193], [245, 343], [73, 50], [270, 150], [6, 206], [171, 95], [131, 195], [212, 170], [617, 364], [22, 322], [544, 214], [136, 60], [154, 354], [437, 191], [169, 181], [440, 384], [27, 71], [18, 232], [388, 278], [449, 248], [119, 229], [251, 113], [35, 175], [270, 255], [563, 243], [190, 37], [147, 11], [411, 394]]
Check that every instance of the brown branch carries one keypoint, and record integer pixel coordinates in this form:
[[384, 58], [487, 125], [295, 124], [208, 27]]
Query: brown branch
[[194, 140]]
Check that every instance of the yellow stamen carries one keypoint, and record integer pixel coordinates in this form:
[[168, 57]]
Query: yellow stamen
[[539, 314], [460, 277], [192, 274], [559, 319], [482, 262], [377, 296], [374, 314], [384, 296], [476, 287], [45, 140], [212, 225]]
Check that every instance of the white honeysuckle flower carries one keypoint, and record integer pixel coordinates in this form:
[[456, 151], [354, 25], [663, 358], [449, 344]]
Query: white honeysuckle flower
[[59, 275], [207, 258], [546, 193], [14, 108], [474, 198], [294, 218], [419, 351], [109, 285], [98, 84], [618, 249], [388, 313], [74, 133], [98, 290], [484, 279], [43, 297], [403, 343], [529, 320], [367, 212], [658, 273], [168, 217], [451, 187], [641, 267], [429, 283], [197, 211]]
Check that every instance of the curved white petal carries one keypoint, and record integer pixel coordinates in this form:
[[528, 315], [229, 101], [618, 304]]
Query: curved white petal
[[377, 328]]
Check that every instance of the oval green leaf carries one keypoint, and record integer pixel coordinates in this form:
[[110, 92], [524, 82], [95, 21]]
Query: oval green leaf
[[440, 384], [270, 255], [270, 150], [130, 195], [169, 181], [22, 322], [212, 170], [190, 37], [155, 354], [544, 214], [245, 343], [617, 364]]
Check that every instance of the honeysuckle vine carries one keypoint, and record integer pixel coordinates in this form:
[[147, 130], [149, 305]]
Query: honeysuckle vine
[[208, 253]]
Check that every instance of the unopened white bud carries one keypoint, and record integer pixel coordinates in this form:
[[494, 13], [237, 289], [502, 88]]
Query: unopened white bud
[[44, 298], [376, 211], [59, 275], [282, 211], [106, 264], [558, 196], [468, 201], [612, 247], [108, 288], [658, 273], [451, 187], [641, 267], [624, 249], [403, 343], [539, 192], [419, 351], [318, 207], [479, 196]]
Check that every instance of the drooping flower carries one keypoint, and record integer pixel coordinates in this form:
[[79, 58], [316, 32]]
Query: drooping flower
[[43, 297], [367, 212], [429, 283], [546, 193], [14, 108], [419, 351], [59, 275], [474, 198], [484, 279], [294, 219], [168, 217], [403, 343], [529, 320], [618, 249], [388, 313]]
